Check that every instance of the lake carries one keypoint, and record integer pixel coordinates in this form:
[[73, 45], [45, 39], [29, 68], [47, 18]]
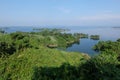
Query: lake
[[85, 45]]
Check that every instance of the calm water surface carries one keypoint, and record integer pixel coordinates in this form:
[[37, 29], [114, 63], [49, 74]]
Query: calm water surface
[[85, 46]]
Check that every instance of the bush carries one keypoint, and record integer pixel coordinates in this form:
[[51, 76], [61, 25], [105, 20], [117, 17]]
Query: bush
[[102, 67], [6, 48], [64, 72]]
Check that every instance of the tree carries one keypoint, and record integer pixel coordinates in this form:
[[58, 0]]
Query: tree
[[6, 48]]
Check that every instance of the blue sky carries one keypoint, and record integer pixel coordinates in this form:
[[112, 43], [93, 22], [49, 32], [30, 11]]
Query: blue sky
[[60, 12]]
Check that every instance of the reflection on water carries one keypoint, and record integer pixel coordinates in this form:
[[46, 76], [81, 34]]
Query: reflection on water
[[85, 45]]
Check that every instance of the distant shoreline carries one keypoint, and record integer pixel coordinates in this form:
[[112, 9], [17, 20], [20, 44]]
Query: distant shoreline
[[115, 27]]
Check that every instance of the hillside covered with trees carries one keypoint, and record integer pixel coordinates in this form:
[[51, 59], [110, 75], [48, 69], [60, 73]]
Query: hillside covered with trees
[[38, 56]]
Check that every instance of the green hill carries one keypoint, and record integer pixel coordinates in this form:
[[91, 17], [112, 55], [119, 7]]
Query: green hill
[[20, 66], [33, 56]]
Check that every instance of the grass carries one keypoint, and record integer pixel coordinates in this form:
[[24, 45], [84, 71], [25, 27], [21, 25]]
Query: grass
[[19, 66], [35, 61]]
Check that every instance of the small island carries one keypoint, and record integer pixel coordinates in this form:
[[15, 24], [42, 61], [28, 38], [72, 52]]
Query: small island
[[95, 37]]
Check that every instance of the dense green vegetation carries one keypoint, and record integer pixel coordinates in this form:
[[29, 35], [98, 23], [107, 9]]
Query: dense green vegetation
[[46, 37], [81, 35], [28, 55], [108, 46], [95, 37], [21, 66], [102, 67]]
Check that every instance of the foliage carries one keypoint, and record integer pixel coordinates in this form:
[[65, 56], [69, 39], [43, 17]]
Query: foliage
[[118, 40], [30, 57], [81, 35], [6, 49], [102, 67], [95, 37], [64, 72], [107, 46], [21, 66]]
